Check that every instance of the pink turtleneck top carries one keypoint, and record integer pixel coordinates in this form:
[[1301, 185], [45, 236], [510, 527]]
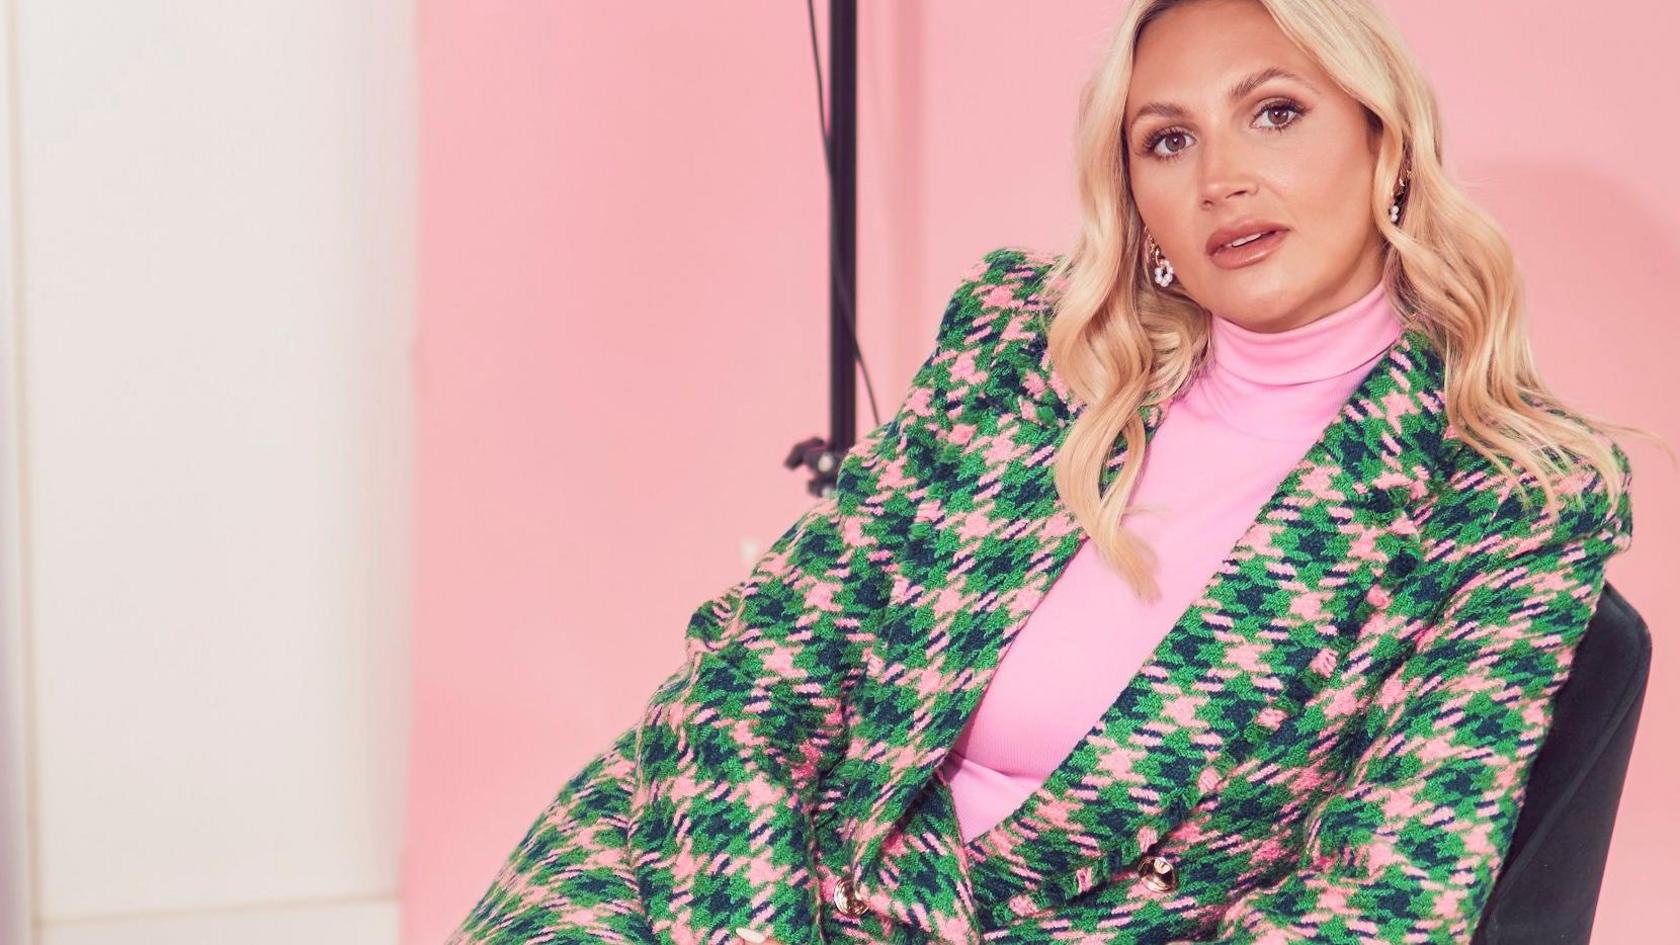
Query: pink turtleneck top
[[1223, 445]]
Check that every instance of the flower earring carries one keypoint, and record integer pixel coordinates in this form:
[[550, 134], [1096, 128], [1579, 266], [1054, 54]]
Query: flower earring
[[1163, 268], [1399, 192]]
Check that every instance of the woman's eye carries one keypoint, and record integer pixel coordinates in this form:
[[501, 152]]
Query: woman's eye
[[1280, 107], [1164, 136]]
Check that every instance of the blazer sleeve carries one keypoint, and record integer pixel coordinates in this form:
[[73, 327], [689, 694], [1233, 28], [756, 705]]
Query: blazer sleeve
[[697, 819], [1407, 849]]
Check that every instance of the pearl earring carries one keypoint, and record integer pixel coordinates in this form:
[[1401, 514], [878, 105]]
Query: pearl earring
[[1163, 268], [1399, 191]]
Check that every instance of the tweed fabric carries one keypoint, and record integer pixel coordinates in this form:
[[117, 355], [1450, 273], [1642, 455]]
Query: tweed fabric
[[1330, 745]]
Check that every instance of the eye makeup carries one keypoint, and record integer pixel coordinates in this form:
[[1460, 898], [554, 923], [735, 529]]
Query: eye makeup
[[1275, 104]]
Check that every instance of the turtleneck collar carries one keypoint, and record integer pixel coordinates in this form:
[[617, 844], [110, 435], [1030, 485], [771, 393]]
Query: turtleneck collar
[[1321, 349], [1284, 386]]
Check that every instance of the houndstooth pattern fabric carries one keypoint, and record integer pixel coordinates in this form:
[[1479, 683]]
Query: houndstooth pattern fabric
[[1330, 746]]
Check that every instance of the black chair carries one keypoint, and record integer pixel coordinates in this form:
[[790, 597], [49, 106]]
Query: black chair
[[1547, 892]]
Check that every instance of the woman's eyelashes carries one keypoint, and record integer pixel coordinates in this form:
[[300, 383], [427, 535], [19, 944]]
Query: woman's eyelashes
[[1289, 106]]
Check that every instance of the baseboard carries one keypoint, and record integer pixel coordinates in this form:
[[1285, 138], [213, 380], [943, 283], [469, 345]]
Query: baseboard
[[366, 922]]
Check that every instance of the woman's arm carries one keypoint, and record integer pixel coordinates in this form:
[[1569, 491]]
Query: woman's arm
[[1408, 849], [569, 879], [716, 806], [696, 819]]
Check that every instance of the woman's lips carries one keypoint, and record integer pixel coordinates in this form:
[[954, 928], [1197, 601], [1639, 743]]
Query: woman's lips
[[1228, 257]]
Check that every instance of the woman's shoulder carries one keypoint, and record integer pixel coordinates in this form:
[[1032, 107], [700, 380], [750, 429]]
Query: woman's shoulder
[[1012, 261], [1005, 281], [1488, 506], [994, 331]]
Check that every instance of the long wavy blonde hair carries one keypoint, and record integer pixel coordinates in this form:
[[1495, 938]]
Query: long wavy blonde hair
[[1121, 342]]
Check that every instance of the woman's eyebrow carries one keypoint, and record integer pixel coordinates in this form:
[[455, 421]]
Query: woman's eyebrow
[[1239, 89]]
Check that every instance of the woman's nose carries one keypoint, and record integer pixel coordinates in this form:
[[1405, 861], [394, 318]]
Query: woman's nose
[[1225, 171]]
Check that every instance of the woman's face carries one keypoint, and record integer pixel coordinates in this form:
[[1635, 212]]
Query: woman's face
[[1294, 152]]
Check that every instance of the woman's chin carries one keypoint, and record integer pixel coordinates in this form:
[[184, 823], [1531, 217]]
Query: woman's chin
[[1248, 297]]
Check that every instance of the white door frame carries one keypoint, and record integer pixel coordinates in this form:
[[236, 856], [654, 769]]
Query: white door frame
[[17, 837]]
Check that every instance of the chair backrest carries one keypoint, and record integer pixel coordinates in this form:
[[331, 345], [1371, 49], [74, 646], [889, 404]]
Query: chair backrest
[[1547, 891]]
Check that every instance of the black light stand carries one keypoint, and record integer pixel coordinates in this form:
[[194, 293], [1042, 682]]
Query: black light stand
[[823, 458]]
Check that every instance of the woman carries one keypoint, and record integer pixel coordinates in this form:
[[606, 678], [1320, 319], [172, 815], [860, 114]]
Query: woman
[[1321, 732]]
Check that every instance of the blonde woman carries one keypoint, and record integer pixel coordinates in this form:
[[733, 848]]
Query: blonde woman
[[1212, 583]]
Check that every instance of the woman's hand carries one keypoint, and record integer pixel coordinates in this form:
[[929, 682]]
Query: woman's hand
[[756, 937]]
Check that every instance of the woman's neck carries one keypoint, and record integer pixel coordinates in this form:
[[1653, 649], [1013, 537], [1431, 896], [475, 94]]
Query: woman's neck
[[1321, 349], [1279, 384]]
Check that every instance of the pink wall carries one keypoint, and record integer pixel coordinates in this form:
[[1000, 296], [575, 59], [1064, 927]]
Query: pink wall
[[623, 320]]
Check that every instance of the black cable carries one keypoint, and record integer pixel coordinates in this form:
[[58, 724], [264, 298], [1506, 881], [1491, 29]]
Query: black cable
[[849, 311]]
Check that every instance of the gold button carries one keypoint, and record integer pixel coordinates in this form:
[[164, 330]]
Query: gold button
[[846, 897], [1158, 873]]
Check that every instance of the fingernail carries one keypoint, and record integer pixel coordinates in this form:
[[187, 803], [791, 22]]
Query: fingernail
[[751, 935]]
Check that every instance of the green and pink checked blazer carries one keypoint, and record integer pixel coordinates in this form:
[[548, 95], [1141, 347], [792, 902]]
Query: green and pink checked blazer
[[1330, 746]]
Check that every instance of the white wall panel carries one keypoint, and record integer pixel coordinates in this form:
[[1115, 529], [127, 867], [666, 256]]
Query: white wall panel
[[214, 217]]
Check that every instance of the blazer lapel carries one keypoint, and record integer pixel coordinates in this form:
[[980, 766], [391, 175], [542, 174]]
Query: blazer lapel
[[1268, 630]]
